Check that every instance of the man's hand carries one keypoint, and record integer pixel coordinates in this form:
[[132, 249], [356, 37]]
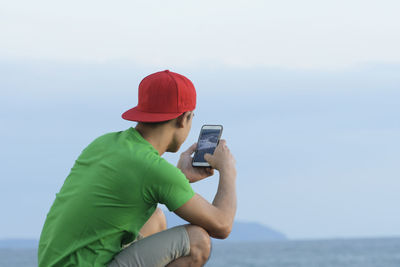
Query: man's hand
[[222, 159], [193, 174]]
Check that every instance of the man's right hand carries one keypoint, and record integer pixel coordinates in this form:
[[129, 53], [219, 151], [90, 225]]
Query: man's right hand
[[222, 159]]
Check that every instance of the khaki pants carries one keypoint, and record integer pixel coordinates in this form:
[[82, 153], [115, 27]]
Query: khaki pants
[[156, 250]]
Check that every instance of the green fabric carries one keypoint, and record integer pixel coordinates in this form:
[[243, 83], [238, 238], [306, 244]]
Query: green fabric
[[111, 191]]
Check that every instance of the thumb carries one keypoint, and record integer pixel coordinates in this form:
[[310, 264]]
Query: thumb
[[207, 157]]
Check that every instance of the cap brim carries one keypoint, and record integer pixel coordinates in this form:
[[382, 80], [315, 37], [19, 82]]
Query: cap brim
[[134, 114]]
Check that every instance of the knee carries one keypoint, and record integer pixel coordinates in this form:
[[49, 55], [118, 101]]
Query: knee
[[200, 244]]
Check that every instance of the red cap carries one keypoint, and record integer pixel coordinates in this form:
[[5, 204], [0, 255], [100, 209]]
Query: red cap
[[163, 96]]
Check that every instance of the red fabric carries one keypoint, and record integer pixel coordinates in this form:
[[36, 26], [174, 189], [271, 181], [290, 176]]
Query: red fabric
[[163, 96]]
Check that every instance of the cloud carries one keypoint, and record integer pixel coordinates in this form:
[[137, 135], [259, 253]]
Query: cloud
[[289, 34]]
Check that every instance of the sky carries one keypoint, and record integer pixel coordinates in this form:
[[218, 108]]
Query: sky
[[307, 93]]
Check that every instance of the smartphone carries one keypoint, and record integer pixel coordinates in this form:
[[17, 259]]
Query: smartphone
[[208, 141]]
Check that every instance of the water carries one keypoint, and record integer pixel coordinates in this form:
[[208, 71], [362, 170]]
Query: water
[[21, 257], [318, 253]]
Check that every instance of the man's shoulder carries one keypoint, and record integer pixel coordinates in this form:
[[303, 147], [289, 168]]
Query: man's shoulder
[[165, 172], [105, 139], [120, 140]]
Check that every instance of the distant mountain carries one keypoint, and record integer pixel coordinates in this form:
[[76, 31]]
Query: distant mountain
[[241, 231]]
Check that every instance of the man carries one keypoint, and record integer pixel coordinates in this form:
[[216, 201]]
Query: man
[[110, 197]]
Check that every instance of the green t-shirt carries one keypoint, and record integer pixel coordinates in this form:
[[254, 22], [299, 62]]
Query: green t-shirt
[[112, 190]]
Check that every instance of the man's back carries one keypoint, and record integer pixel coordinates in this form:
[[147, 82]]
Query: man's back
[[111, 191]]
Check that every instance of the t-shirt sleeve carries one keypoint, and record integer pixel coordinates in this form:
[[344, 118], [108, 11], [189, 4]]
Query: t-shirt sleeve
[[168, 185]]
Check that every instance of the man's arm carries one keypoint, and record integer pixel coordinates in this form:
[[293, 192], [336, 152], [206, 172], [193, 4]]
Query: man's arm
[[216, 218]]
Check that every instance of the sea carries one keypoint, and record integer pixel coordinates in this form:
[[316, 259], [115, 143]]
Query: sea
[[383, 252]]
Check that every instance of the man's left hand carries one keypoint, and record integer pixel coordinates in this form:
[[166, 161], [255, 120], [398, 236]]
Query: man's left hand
[[193, 174]]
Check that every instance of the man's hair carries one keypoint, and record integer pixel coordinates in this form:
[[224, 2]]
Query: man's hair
[[154, 124], [157, 124]]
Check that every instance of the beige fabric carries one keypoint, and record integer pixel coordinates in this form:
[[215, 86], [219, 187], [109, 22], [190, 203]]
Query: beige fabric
[[156, 250]]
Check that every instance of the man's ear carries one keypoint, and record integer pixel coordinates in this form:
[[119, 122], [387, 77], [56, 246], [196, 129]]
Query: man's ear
[[181, 120]]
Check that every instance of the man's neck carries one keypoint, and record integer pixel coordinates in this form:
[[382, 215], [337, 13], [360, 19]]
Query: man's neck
[[158, 137]]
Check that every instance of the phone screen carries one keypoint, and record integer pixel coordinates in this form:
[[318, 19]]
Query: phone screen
[[208, 141]]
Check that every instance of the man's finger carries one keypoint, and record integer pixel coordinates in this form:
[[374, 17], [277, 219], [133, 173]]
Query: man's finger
[[191, 149]]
